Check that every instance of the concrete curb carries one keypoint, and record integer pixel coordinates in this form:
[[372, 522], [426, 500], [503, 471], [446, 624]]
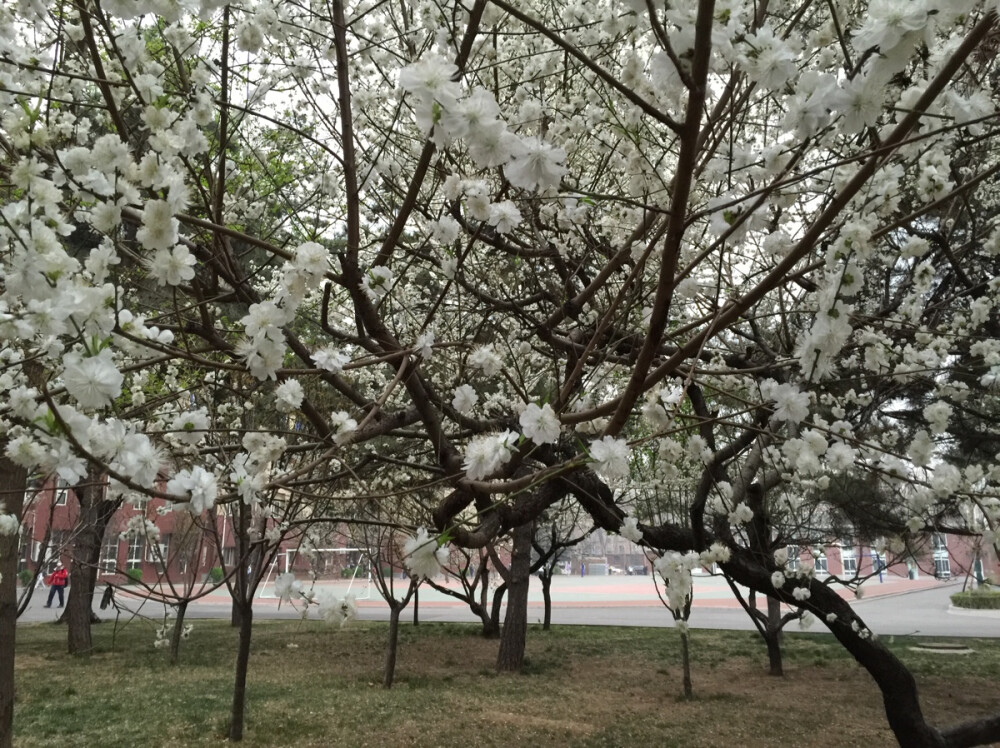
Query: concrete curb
[[955, 611], [899, 593]]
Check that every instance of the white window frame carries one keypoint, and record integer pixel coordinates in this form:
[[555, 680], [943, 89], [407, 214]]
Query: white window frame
[[136, 548], [847, 554], [821, 565], [58, 540], [162, 557], [61, 489], [108, 563]]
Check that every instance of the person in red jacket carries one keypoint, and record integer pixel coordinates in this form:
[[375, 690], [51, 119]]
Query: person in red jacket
[[57, 581]]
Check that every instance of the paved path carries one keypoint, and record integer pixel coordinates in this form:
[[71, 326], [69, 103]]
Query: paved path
[[896, 606]]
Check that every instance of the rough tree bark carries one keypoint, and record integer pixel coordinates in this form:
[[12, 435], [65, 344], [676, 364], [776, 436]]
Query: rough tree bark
[[772, 637], [546, 577], [392, 644], [498, 595], [491, 625], [243, 614], [236, 717], [515, 625], [175, 636], [95, 514], [686, 664], [241, 537], [13, 482]]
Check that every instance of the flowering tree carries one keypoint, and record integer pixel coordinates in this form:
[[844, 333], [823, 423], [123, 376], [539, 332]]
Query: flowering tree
[[494, 247]]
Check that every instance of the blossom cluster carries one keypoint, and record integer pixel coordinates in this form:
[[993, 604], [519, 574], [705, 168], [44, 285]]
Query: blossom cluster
[[423, 556]]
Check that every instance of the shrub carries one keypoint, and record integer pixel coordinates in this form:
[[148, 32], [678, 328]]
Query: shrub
[[25, 576], [216, 575], [983, 598], [134, 575]]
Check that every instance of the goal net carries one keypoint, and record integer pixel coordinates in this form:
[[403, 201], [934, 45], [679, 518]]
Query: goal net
[[345, 570]]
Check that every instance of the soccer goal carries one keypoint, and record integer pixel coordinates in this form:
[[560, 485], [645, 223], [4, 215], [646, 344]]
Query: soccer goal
[[348, 570]]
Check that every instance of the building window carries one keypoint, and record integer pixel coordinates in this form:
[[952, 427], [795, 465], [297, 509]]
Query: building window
[[849, 560], [942, 567], [135, 546], [109, 553], [942, 563], [159, 553], [62, 492], [24, 548], [794, 562], [229, 556], [820, 564], [58, 546]]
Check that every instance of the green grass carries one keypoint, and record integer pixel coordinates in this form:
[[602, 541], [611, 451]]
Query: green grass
[[582, 686]]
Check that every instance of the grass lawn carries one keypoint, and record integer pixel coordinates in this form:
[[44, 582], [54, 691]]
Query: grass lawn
[[310, 685]]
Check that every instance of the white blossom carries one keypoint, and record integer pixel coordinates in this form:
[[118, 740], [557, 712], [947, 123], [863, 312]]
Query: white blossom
[[343, 425], [537, 167], [93, 381], [422, 557], [330, 359], [937, 416], [486, 360], [487, 454], [630, 530], [9, 524], [288, 395], [465, 399], [740, 515], [540, 424], [198, 485], [377, 282], [287, 588], [791, 404], [505, 217], [159, 227], [611, 457]]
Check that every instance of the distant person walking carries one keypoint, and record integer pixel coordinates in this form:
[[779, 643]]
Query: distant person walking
[[57, 582]]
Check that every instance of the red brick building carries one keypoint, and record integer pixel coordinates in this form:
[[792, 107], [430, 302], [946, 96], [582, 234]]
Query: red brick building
[[187, 548]]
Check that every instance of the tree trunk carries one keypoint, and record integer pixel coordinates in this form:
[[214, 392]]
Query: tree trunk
[[175, 637], [491, 628], [895, 681], [392, 646], [498, 595], [13, 481], [242, 663], [416, 607], [95, 515], [772, 637], [240, 583], [547, 599], [515, 625]]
